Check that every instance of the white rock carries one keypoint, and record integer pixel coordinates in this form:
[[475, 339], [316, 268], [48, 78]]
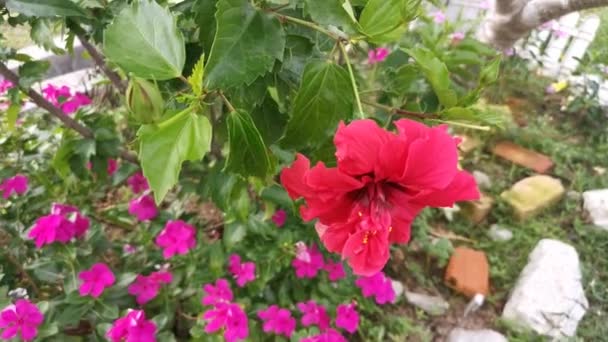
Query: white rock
[[397, 287], [497, 233], [549, 297], [485, 335], [482, 179], [433, 305], [596, 204]]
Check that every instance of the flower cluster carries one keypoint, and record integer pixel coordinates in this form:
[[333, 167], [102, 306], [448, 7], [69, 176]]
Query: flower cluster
[[382, 181], [132, 327], [279, 320], [62, 97], [22, 318], [17, 184], [64, 223], [378, 286], [279, 218], [225, 314], [177, 237], [146, 288]]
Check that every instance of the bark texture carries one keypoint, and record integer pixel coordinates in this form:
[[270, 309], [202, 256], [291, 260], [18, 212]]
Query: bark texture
[[511, 20]]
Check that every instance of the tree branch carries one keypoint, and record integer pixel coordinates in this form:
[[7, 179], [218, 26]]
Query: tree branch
[[402, 112], [513, 19], [99, 60], [56, 112]]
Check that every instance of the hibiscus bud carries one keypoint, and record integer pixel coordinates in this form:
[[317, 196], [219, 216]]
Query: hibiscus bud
[[144, 101]]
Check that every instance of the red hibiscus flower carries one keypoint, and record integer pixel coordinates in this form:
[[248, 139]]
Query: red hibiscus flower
[[383, 180]]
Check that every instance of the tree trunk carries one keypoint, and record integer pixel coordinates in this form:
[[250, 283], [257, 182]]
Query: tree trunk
[[511, 20]]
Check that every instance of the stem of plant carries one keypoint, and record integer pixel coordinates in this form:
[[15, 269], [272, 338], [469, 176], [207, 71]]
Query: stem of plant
[[228, 104], [403, 112], [353, 81], [307, 24]]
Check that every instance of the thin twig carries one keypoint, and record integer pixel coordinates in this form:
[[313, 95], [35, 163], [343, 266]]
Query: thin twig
[[353, 81], [99, 60], [399, 111], [56, 112], [228, 104]]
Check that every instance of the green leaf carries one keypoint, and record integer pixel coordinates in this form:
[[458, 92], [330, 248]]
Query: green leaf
[[489, 74], [247, 43], [196, 79], [32, 72], [12, 113], [205, 20], [325, 97], [381, 21], [46, 8], [42, 34], [331, 12], [164, 147], [144, 40], [269, 120], [233, 233], [436, 74], [248, 153]]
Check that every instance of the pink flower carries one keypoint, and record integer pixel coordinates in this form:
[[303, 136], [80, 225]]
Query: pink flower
[[509, 52], [80, 224], [64, 223], [278, 321], [143, 208], [138, 183], [178, 237], [377, 55], [382, 181], [330, 335], [128, 249], [134, 327], [314, 314], [73, 104], [229, 317], [217, 294], [279, 218], [308, 261], [95, 280], [438, 17], [21, 318], [378, 286], [63, 99], [347, 317], [5, 85], [17, 184], [457, 37], [112, 166], [335, 271], [145, 288], [242, 272], [485, 4]]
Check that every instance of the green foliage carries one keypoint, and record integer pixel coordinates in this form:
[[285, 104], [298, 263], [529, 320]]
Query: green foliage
[[144, 40], [382, 21], [325, 97], [46, 8], [164, 147], [437, 75], [248, 155], [247, 43]]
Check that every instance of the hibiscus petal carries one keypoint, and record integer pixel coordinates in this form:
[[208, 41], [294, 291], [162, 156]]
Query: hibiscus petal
[[411, 130], [358, 145], [335, 236], [292, 177], [431, 162], [367, 258], [462, 188], [392, 160]]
